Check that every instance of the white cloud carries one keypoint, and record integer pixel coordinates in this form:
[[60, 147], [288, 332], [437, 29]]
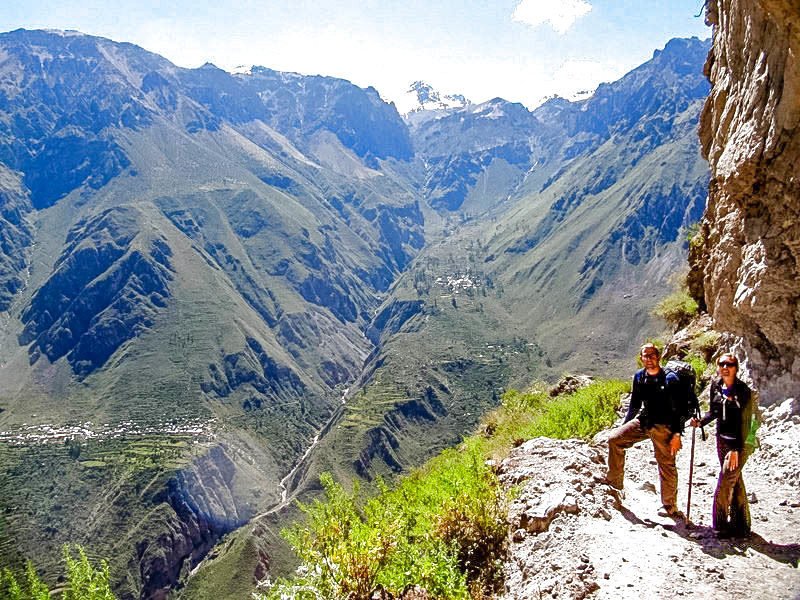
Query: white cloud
[[365, 58], [576, 77], [560, 14]]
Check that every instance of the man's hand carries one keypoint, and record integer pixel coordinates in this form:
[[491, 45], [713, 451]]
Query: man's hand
[[694, 422], [675, 444]]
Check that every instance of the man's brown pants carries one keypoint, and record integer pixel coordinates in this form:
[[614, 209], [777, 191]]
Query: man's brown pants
[[629, 434]]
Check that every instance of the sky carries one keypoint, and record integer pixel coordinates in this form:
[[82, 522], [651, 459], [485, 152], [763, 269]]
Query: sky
[[521, 50]]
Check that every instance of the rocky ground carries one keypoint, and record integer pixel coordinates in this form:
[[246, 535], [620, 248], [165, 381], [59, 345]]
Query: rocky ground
[[575, 537]]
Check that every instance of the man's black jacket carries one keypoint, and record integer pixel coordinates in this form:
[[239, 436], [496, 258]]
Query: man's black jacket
[[658, 393]]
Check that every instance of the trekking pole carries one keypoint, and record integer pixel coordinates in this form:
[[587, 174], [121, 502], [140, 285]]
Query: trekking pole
[[691, 472]]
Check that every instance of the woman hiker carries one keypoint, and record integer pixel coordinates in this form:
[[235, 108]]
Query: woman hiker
[[731, 404]]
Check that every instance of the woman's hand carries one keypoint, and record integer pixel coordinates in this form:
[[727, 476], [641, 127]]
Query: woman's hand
[[694, 422], [731, 460]]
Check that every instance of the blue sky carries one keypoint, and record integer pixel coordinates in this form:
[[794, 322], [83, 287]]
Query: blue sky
[[521, 50]]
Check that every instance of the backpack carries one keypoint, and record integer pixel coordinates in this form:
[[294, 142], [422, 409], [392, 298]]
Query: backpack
[[686, 403], [751, 442]]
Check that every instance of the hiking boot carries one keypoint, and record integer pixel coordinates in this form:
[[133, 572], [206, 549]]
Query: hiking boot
[[670, 511], [739, 533], [723, 534], [614, 484]]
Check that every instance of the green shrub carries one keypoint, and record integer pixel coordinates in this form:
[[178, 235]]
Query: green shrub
[[29, 587], [696, 237], [443, 526], [516, 401], [677, 309], [705, 344], [581, 414], [84, 582], [343, 552], [472, 516]]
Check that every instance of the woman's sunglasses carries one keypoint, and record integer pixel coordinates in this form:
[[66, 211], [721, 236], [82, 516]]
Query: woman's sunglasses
[[730, 365]]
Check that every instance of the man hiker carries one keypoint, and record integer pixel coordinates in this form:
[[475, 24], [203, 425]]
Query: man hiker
[[654, 392], [731, 404]]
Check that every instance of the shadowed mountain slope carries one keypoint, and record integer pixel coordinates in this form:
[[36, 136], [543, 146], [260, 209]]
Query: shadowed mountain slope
[[16, 234]]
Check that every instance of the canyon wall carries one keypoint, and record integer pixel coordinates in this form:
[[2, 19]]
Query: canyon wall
[[745, 260]]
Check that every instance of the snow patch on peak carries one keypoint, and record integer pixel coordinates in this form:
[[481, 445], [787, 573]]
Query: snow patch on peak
[[242, 70], [423, 96], [492, 109], [64, 32]]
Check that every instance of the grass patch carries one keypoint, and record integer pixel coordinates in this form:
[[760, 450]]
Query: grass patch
[[581, 414], [705, 344], [443, 526], [677, 309]]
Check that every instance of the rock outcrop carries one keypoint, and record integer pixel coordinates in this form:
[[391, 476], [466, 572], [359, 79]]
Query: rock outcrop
[[16, 234], [197, 507], [747, 263]]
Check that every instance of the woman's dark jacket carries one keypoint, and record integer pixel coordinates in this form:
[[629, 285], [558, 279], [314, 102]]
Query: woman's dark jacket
[[733, 413]]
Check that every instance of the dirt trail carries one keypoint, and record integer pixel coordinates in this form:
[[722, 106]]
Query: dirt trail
[[576, 537]]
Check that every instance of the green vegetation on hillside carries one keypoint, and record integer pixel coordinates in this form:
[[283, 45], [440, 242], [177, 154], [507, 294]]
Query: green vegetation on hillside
[[104, 481], [443, 526], [677, 309], [84, 581]]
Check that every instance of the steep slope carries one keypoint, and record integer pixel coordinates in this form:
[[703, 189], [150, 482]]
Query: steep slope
[[611, 210], [16, 234], [492, 149], [746, 260], [476, 155], [190, 266], [210, 186]]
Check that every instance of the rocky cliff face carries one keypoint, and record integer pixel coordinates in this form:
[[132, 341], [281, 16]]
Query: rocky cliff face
[[196, 507], [749, 255], [15, 235]]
